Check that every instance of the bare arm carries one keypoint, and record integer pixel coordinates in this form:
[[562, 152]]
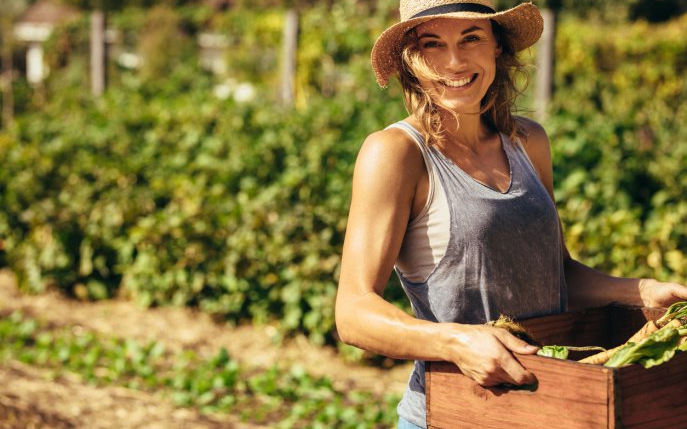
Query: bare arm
[[388, 173], [588, 287]]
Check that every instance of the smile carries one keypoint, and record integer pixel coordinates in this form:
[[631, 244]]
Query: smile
[[458, 83]]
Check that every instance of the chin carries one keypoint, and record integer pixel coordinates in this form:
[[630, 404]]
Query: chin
[[460, 108]]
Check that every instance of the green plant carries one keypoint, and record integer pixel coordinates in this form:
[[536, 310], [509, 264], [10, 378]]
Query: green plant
[[284, 397], [617, 129], [164, 193]]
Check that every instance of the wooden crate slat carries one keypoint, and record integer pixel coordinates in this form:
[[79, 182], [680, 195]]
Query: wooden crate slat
[[670, 421], [652, 397], [625, 321], [573, 329], [461, 403]]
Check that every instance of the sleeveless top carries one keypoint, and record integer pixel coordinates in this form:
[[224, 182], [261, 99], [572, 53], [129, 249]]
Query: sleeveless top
[[503, 256]]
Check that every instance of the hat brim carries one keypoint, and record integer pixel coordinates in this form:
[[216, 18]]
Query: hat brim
[[523, 24]]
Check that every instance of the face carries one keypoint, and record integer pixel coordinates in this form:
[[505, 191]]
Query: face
[[463, 53]]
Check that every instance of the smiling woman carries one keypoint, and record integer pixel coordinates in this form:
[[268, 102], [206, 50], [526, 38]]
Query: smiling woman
[[457, 199], [479, 43], [464, 57]]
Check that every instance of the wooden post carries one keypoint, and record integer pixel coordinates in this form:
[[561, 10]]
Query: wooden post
[[289, 55], [6, 73], [98, 52], [545, 64]]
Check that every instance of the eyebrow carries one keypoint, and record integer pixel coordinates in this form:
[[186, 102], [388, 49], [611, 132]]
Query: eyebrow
[[464, 32]]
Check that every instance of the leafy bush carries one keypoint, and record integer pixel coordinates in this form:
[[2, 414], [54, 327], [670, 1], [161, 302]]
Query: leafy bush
[[187, 200], [163, 193], [161, 26], [615, 11], [619, 139]]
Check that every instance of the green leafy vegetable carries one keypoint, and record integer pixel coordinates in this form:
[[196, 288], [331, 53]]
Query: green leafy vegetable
[[675, 311], [656, 349], [558, 352]]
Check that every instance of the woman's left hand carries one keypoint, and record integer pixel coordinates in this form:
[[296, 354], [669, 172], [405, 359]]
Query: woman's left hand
[[661, 294]]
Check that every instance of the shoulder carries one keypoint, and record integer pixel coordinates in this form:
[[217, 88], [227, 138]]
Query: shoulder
[[392, 142], [536, 145], [535, 141], [535, 137], [391, 149], [389, 170]]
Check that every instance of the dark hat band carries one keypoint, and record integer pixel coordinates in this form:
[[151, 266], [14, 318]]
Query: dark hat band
[[454, 7]]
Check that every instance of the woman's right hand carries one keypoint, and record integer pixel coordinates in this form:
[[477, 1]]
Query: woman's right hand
[[485, 354]]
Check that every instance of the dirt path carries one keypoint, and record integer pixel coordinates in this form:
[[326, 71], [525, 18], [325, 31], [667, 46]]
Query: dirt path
[[65, 403], [31, 398]]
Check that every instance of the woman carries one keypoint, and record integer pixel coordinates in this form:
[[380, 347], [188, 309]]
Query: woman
[[458, 199]]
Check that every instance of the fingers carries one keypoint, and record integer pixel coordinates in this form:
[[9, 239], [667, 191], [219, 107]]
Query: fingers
[[492, 362], [511, 366], [657, 294], [497, 372], [679, 292], [515, 344], [517, 373]]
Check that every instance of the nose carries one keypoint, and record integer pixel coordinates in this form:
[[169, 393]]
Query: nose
[[456, 58]]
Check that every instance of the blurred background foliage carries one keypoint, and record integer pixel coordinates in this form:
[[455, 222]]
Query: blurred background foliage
[[182, 187]]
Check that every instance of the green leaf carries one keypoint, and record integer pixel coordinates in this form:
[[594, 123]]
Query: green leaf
[[654, 350], [557, 352], [675, 311]]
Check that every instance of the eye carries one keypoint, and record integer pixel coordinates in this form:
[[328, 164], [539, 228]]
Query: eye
[[431, 44], [471, 38]]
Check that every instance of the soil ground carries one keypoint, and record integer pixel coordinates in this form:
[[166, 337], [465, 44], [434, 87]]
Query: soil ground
[[32, 397]]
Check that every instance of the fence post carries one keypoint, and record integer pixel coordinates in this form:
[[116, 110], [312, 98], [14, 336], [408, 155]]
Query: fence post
[[98, 52], [6, 73], [545, 64], [9, 10], [289, 55]]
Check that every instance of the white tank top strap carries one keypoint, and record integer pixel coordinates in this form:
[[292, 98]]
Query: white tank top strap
[[420, 142]]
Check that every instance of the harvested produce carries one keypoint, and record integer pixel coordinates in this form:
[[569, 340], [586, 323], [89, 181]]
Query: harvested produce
[[655, 349], [514, 328], [562, 352], [655, 343], [601, 358]]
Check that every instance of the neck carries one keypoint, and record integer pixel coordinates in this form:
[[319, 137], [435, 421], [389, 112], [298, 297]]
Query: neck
[[466, 129]]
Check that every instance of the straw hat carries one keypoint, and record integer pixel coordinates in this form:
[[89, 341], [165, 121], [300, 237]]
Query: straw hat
[[522, 23]]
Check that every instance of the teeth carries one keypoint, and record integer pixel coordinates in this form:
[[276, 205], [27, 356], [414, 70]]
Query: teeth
[[458, 83]]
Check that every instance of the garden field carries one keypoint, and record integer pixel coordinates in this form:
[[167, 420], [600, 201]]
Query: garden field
[[59, 392], [170, 249]]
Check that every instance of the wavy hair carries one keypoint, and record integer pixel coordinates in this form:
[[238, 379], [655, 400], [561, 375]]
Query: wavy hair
[[496, 106]]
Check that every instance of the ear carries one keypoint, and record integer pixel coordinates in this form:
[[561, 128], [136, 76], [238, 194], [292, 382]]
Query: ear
[[498, 50]]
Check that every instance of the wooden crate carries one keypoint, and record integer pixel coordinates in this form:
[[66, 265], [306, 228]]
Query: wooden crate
[[570, 395]]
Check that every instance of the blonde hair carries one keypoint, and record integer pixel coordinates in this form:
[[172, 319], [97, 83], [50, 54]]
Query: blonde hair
[[497, 104]]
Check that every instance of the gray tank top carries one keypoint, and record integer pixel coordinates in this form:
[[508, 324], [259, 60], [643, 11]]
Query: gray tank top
[[504, 255]]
